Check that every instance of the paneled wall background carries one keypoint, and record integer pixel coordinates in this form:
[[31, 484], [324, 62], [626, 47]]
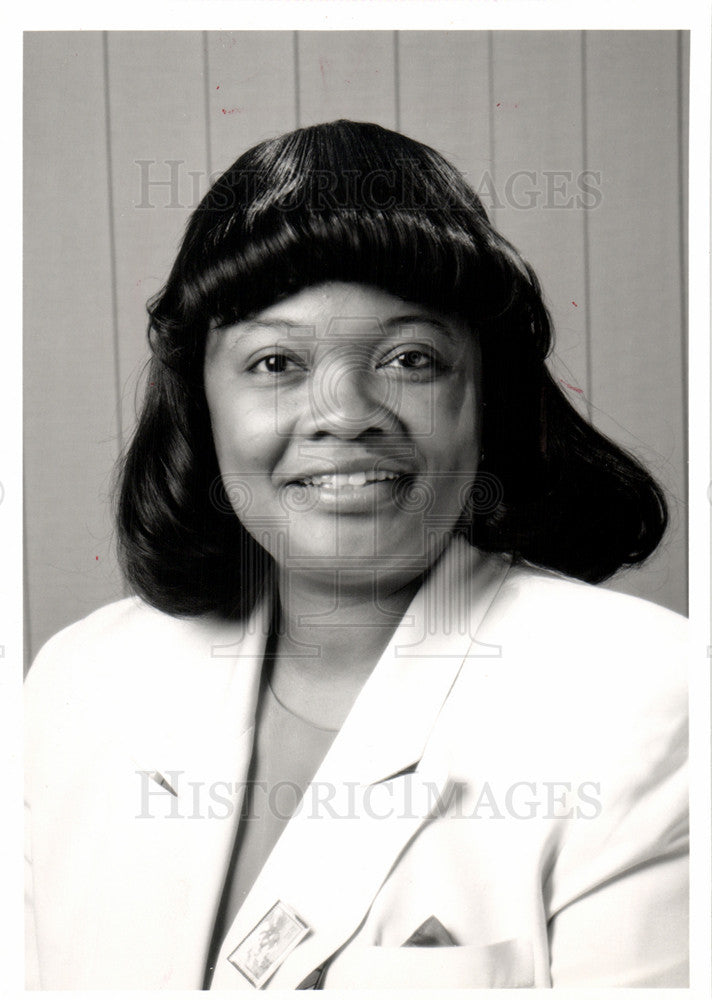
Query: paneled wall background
[[575, 140]]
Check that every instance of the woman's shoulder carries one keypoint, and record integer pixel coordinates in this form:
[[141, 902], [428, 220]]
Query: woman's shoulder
[[550, 604], [116, 622], [115, 616], [562, 639], [87, 647], [119, 643], [585, 672]]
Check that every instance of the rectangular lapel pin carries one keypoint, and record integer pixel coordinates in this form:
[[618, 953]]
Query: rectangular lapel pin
[[260, 954]]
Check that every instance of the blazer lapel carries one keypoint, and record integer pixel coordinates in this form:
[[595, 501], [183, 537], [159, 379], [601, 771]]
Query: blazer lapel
[[367, 801], [194, 729]]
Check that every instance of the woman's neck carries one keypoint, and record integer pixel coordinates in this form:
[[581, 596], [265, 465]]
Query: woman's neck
[[331, 634]]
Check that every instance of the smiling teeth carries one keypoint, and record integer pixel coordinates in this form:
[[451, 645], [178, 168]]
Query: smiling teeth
[[339, 480]]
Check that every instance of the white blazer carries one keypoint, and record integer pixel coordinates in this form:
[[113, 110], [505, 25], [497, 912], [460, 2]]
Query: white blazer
[[513, 767]]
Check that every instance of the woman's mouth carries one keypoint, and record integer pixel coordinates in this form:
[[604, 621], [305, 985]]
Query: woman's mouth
[[358, 492], [340, 480]]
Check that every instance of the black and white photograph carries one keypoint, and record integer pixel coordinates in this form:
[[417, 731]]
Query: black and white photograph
[[360, 614]]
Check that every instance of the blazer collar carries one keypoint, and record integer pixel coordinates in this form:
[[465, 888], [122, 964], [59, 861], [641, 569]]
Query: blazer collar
[[391, 720]]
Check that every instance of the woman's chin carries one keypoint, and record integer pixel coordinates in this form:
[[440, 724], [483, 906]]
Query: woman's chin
[[354, 543]]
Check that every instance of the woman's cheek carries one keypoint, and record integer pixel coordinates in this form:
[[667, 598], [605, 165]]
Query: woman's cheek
[[441, 421], [248, 424]]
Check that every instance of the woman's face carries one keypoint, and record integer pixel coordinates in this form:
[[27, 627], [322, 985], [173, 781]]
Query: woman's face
[[346, 428]]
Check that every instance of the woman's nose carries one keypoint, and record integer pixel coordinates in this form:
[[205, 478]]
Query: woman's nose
[[347, 397]]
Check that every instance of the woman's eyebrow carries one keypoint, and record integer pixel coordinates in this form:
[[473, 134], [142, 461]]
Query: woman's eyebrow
[[286, 327], [419, 319], [271, 324], [390, 324]]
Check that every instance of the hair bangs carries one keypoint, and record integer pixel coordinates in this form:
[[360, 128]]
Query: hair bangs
[[343, 202], [401, 252]]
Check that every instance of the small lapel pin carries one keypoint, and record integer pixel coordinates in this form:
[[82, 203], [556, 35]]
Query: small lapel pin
[[160, 780], [260, 954], [155, 776]]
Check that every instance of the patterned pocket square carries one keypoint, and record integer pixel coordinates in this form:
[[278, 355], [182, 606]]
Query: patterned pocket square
[[430, 934]]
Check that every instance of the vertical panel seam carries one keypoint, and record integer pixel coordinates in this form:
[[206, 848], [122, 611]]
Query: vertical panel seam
[[297, 85], [586, 235], [490, 116], [112, 256], [206, 96], [396, 80], [112, 242]]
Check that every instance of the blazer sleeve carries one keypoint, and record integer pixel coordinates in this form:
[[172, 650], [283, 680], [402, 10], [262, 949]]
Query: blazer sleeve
[[32, 965], [618, 891], [48, 689], [44, 692]]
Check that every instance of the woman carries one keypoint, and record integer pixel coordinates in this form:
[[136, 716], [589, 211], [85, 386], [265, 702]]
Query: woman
[[357, 513]]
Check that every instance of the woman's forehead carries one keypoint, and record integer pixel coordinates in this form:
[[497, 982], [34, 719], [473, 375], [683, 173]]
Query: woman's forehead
[[344, 307]]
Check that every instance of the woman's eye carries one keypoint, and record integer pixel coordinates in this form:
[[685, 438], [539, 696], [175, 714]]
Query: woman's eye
[[275, 364], [414, 360]]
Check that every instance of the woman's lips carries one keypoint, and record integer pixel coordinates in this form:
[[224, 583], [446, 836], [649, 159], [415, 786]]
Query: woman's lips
[[340, 480], [359, 492]]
